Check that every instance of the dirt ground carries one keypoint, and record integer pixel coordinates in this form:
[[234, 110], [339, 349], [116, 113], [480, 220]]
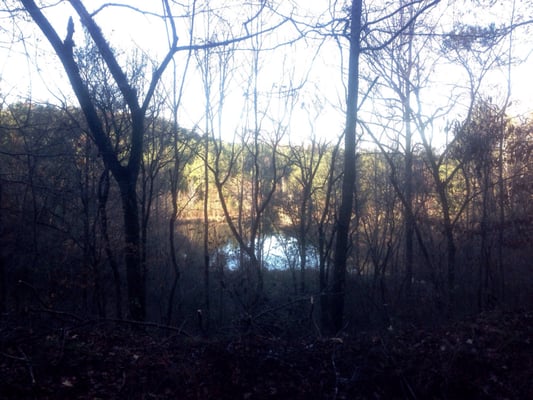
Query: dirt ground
[[489, 357]]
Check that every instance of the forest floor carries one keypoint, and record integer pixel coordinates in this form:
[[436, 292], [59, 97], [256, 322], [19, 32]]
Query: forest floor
[[487, 357]]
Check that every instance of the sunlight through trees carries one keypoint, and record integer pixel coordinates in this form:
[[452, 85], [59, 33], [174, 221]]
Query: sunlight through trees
[[380, 145]]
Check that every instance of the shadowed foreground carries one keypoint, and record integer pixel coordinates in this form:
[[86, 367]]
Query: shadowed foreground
[[489, 357]]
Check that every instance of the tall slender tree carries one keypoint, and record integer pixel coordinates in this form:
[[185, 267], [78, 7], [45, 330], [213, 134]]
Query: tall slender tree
[[372, 43], [336, 296], [125, 174]]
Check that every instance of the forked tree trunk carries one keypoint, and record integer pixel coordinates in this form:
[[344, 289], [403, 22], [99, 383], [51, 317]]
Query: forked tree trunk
[[126, 176]]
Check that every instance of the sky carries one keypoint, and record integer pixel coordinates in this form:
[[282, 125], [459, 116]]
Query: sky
[[315, 109]]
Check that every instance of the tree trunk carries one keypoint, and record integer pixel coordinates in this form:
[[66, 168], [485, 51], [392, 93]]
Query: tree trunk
[[174, 177], [408, 171], [132, 254], [3, 286], [303, 234], [103, 194], [207, 300], [501, 213], [125, 175], [336, 295], [448, 233]]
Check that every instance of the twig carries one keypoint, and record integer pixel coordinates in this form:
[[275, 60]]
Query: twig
[[11, 357], [115, 320], [179, 330], [57, 312], [312, 317], [123, 382], [337, 374], [405, 383], [28, 366], [33, 291], [280, 307]]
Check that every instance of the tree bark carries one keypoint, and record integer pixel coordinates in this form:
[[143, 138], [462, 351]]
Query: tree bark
[[103, 195], [407, 117], [3, 286], [132, 254], [336, 295], [207, 300]]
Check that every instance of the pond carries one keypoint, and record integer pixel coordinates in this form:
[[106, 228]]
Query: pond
[[279, 251]]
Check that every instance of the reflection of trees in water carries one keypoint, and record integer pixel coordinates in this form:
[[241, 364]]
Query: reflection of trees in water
[[279, 252]]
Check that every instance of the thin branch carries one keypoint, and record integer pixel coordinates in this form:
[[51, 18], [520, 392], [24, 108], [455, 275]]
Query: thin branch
[[166, 61], [402, 29], [129, 93], [127, 6], [223, 43], [397, 11], [64, 52]]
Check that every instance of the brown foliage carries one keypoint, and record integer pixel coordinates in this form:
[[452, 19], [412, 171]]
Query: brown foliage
[[489, 358]]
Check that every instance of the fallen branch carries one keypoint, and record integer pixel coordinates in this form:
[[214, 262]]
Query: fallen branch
[[147, 324], [179, 329]]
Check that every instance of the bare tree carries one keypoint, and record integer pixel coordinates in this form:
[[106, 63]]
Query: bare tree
[[336, 295], [307, 160], [402, 68], [255, 159], [357, 31], [3, 285], [125, 175]]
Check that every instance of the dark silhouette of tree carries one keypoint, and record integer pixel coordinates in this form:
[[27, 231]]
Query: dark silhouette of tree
[[356, 31], [336, 295], [307, 161], [125, 174]]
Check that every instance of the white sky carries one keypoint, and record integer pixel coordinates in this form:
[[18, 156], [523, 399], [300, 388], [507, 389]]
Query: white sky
[[317, 107]]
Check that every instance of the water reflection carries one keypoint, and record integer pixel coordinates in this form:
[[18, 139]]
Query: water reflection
[[279, 252]]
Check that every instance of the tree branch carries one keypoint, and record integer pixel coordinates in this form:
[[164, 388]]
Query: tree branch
[[80, 89], [402, 29], [166, 61], [129, 93]]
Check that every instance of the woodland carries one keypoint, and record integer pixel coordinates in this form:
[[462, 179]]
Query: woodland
[[384, 255]]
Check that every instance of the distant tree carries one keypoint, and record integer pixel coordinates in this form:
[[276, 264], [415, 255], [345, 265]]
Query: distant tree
[[381, 230], [306, 162], [247, 172], [478, 50], [48, 186]]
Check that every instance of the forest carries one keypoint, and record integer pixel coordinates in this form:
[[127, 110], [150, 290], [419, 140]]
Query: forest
[[286, 201]]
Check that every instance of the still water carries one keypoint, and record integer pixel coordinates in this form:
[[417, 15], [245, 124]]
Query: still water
[[278, 252]]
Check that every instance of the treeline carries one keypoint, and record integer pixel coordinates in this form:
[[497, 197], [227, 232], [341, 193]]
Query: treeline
[[62, 239]]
